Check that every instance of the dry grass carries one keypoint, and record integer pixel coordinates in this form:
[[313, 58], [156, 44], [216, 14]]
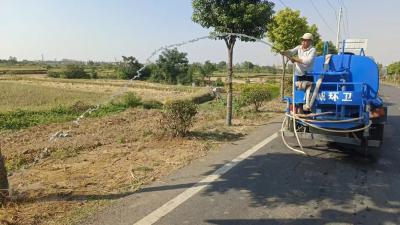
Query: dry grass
[[105, 159], [94, 164], [390, 82]]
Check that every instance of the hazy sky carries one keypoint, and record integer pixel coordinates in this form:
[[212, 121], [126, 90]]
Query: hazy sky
[[106, 30]]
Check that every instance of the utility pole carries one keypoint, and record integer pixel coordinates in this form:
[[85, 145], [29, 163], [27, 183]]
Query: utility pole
[[338, 28]]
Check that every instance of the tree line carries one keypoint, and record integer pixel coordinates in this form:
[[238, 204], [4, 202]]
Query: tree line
[[393, 69], [173, 67]]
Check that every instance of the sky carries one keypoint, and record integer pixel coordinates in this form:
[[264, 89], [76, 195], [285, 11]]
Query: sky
[[105, 30]]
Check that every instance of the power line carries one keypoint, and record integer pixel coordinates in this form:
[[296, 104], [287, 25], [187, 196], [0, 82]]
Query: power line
[[333, 8], [320, 15], [346, 16], [344, 24], [283, 3]]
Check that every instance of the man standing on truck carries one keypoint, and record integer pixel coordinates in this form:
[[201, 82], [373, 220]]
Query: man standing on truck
[[303, 62]]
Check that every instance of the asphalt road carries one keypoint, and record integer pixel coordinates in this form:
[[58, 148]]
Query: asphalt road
[[275, 185]]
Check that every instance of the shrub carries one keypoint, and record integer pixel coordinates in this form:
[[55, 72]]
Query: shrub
[[54, 74], [256, 95], [79, 106], [219, 82], [288, 86], [75, 72], [93, 74], [238, 103], [152, 104], [205, 97], [130, 99], [178, 116]]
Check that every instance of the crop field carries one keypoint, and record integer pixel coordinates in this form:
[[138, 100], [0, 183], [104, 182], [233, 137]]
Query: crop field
[[28, 96], [147, 91]]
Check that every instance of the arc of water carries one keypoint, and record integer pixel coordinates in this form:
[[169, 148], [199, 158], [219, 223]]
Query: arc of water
[[123, 89]]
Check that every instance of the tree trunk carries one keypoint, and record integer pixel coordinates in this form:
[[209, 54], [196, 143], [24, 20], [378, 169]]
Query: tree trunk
[[230, 89], [283, 77], [3, 180], [230, 44]]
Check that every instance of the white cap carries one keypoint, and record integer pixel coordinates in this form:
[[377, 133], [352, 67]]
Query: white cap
[[307, 36]]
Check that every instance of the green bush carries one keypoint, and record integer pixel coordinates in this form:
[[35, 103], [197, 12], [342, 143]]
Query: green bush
[[178, 116], [93, 74], [219, 82], [54, 74], [256, 95], [75, 72], [288, 86], [80, 106], [130, 99], [202, 98], [152, 104], [238, 104]]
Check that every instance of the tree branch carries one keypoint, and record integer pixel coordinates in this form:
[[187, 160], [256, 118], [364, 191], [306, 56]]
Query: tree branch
[[226, 42]]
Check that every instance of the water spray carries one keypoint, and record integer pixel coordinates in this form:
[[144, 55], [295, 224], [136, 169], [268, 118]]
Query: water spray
[[123, 89]]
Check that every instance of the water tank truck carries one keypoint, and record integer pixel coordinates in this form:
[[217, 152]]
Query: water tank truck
[[344, 102]]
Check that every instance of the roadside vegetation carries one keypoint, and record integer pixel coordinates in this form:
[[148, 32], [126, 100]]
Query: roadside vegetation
[[391, 73]]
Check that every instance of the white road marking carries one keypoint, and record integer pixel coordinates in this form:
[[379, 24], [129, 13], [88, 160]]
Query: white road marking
[[188, 193]]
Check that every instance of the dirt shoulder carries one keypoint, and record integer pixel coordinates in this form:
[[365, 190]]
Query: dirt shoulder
[[103, 159]]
